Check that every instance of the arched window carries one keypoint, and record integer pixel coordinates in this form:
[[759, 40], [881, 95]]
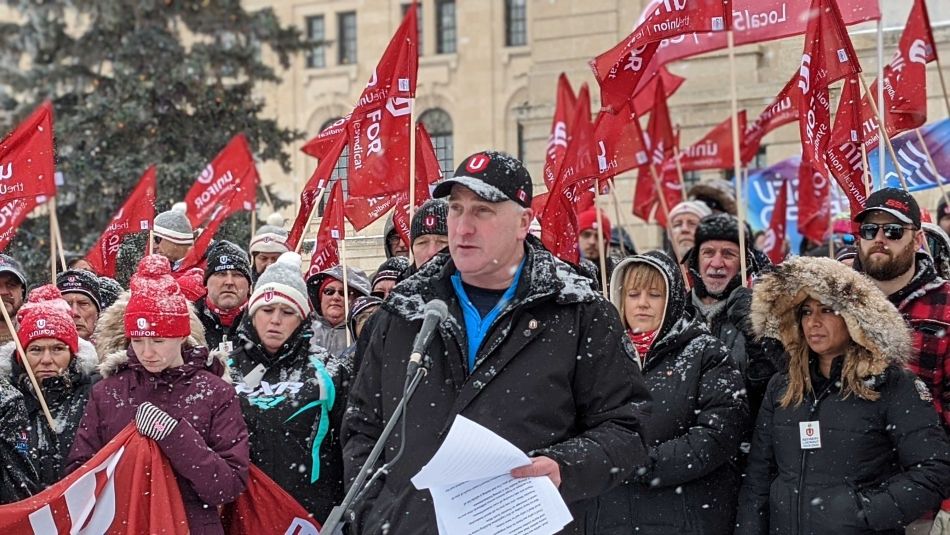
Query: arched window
[[339, 170], [439, 125]]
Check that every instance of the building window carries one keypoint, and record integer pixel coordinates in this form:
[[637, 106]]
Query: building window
[[316, 34], [445, 26], [439, 125], [339, 170], [419, 23], [346, 38], [516, 23], [521, 147]]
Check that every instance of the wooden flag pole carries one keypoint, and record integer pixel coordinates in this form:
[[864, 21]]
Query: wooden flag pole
[[29, 368], [601, 250], [882, 129], [346, 286], [316, 203], [621, 220], [933, 165], [736, 158], [882, 126], [151, 241], [659, 192], [254, 221], [412, 169], [867, 170], [52, 245], [59, 241]]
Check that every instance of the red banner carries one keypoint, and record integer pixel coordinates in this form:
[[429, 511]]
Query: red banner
[[27, 165], [266, 508], [232, 168], [313, 190], [783, 110], [814, 206], [618, 71], [660, 143], [560, 130], [645, 98], [135, 215], [326, 251], [844, 158], [775, 235], [714, 150], [619, 142], [12, 215]]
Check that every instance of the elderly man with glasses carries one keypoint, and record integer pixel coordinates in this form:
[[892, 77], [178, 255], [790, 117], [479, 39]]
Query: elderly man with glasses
[[173, 235]]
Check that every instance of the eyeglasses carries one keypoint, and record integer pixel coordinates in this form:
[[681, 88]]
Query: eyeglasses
[[333, 291], [892, 231], [156, 240]]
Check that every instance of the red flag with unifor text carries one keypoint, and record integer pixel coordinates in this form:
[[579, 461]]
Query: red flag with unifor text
[[27, 159], [377, 130], [619, 70], [713, 151], [814, 202], [326, 250], [564, 107], [781, 111], [135, 215], [13, 213], [775, 235], [845, 161], [231, 169], [660, 142], [313, 191], [828, 56], [905, 80]]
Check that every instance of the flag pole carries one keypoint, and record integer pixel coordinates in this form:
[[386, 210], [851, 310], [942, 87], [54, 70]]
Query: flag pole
[[867, 170], [600, 241], [930, 160], [659, 192], [621, 220], [29, 368], [736, 158], [52, 243], [882, 128], [412, 168], [254, 220], [59, 241], [346, 286], [151, 241]]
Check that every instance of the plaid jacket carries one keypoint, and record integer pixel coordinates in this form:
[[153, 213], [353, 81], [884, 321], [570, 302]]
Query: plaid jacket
[[925, 305]]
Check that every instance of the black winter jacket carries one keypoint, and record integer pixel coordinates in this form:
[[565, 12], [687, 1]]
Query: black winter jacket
[[555, 376], [18, 479], [215, 331], [280, 441], [700, 413]]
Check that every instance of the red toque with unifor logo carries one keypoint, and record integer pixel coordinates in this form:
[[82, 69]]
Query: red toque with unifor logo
[[157, 307], [47, 315]]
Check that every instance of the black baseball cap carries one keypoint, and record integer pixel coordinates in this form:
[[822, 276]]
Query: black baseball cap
[[893, 201], [492, 175]]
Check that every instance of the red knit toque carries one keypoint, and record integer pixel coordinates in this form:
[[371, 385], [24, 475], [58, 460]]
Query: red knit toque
[[588, 220], [47, 315], [157, 307]]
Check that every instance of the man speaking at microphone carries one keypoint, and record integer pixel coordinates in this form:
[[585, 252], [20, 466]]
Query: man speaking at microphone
[[528, 350]]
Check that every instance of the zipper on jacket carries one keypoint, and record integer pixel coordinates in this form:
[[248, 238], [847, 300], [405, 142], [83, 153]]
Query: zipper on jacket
[[812, 413]]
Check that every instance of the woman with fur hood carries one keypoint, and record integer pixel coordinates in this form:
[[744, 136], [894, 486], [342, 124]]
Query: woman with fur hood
[[65, 367], [847, 440], [292, 391], [161, 378], [699, 410]]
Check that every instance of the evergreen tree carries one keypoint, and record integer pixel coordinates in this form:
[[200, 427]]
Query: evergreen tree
[[135, 83]]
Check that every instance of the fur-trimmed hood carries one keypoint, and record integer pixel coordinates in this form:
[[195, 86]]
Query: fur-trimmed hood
[[873, 322], [87, 361], [111, 343]]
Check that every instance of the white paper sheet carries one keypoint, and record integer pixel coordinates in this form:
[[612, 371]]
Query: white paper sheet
[[473, 491]]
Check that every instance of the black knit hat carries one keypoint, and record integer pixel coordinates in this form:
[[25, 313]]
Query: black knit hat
[[430, 218], [80, 281], [359, 305], [719, 226], [227, 256], [493, 176], [725, 227], [391, 269], [109, 291]]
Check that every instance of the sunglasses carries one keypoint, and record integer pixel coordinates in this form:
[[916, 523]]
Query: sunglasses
[[892, 231], [333, 291]]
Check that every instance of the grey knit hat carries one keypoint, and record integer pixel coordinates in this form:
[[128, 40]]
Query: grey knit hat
[[173, 225], [270, 238], [281, 283]]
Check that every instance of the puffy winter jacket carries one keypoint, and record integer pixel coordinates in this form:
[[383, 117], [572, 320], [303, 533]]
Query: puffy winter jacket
[[66, 397], [691, 481], [555, 376], [18, 479]]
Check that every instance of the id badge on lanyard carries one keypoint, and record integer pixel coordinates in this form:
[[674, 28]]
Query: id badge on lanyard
[[810, 435]]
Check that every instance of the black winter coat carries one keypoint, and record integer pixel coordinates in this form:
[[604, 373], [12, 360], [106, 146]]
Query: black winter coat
[[215, 331], [280, 442], [555, 376], [881, 465], [18, 479], [700, 413]]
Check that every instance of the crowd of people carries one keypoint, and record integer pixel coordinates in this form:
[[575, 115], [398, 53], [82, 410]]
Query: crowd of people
[[702, 390]]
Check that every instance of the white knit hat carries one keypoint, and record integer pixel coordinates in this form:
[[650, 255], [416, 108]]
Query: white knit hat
[[270, 238], [281, 283], [174, 226], [697, 208]]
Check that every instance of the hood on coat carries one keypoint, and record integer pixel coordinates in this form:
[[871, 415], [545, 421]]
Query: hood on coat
[[356, 279], [675, 286], [873, 322], [112, 344], [87, 360]]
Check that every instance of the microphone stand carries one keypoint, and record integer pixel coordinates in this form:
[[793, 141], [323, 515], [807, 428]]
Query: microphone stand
[[335, 522]]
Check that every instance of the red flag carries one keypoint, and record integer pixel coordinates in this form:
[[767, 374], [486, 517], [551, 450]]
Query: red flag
[[644, 99], [12, 215], [560, 128], [781, 111], [828, 56], [618, 71], [844, 158], [27, 161], [620, 144], [660, 142], [311, 192], [135, 215], [326, 252], [128, 487], [232, 168], [579, 163], [814, 207], [775, 236], [266, 508], [757, 21], [714, 150]]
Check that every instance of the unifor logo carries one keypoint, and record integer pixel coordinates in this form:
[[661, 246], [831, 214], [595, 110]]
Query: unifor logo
[[225, 259], [6, 171], [268, 296], [41, 324], [72, 278], [429, 221], [804, 80], [207, 175], [477, 163], [141, 323], [809, 431]]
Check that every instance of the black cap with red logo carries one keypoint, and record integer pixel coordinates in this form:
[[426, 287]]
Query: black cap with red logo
[[493, 176], [430, 218], [893, 201]]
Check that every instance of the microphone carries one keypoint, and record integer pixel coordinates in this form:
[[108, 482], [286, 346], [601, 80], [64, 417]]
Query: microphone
[[434, 313]]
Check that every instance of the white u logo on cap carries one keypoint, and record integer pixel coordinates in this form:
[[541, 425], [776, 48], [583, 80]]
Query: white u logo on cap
[[40, 324], [477, 163], [142, 323]]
